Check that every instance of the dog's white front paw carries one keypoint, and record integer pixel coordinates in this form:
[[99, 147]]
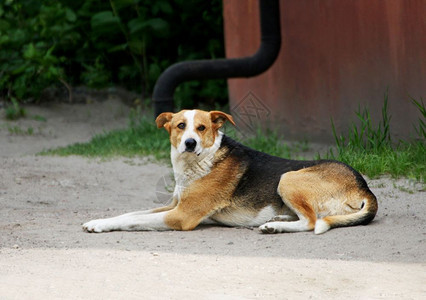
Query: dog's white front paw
[[100, 225]]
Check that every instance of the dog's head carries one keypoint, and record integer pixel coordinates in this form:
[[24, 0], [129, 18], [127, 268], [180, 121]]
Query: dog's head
[[193, 130]]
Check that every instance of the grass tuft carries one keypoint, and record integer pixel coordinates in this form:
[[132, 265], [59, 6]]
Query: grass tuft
[[142, 137], [268, 141], [365, 137], [421, 129], [370, 149], [367, 148], [14, 111]]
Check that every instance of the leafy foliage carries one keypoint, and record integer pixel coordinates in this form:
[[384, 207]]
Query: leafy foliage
[[101, 43], [27, 42]]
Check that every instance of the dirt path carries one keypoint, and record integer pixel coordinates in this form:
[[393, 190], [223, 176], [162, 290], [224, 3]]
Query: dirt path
[[44, 254]]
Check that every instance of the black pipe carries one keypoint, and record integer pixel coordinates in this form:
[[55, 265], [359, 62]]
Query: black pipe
[[224, 68]]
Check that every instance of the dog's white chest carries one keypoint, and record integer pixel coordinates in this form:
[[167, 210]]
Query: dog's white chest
[[189, 167]]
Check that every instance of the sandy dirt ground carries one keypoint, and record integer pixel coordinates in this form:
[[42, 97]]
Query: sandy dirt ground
[[44, 254]]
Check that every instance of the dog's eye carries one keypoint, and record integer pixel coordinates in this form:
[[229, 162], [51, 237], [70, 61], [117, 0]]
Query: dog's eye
[[201, 128], [181, 126]]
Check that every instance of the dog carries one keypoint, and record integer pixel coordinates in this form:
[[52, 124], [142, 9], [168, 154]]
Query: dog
[[220, 181]]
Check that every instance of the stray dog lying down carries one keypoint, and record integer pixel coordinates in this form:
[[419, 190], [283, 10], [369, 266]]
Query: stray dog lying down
[[220, 181]]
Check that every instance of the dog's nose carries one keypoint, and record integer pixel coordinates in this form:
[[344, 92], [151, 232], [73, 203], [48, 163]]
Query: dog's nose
[[190, 144]]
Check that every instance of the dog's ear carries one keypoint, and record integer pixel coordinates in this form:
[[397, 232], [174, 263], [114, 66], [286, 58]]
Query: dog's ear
[[218, 118], [163, 120]]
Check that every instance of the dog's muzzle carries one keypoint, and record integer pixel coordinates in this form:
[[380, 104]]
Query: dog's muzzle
[[190, 145]]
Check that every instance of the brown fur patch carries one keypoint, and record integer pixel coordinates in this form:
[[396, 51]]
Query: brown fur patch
[[163, 120], [218, 118], [205, 196], [208, 135], [322, 190], [175, 132], [302, 206], [166, 208]]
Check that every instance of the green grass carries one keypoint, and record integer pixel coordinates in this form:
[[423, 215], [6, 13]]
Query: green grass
[[14, 111], [405, 160], [371, 151], [16, 130], [367, 148], [142, 137], [268, 141], [421, 128]]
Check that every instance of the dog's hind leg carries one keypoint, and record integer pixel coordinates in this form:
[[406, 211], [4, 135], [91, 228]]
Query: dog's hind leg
[[282, 223], [331, 192], [305, 213], [295, 198]]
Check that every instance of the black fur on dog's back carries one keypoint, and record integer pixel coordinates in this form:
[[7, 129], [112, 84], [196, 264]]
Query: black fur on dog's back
[[261, 174]]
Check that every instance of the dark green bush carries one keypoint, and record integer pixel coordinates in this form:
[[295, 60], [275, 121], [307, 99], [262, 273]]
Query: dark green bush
[[102, 43]]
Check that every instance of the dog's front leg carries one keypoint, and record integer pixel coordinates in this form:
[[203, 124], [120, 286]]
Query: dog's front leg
[[129, 222]]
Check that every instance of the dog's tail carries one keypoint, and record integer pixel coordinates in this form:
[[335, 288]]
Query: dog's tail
[[362, 217]]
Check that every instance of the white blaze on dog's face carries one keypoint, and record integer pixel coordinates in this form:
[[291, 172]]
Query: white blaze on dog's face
[[193, 131]]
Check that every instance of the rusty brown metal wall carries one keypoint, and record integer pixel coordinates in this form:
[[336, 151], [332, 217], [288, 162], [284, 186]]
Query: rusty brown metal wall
[[335, 56]]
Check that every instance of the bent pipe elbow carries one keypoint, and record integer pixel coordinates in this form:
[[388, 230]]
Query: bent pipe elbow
[[223, 68]]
